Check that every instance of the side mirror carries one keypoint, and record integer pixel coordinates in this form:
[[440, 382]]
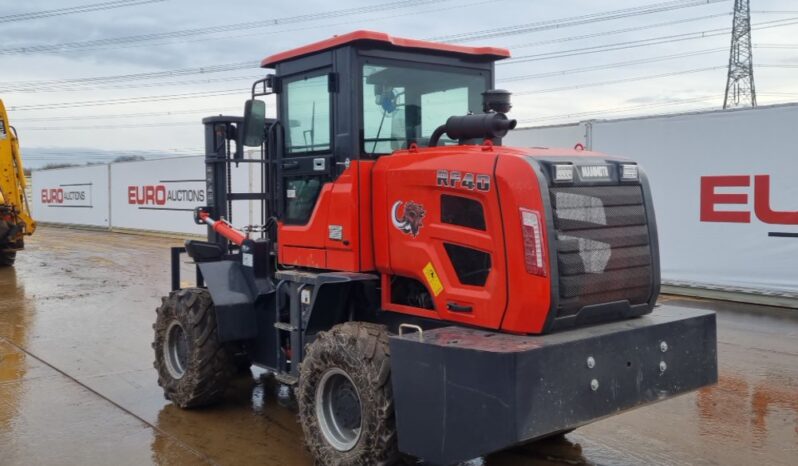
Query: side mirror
[[254, 123]]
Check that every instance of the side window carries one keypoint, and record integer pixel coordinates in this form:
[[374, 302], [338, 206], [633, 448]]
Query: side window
[[307, 113], [462, 211], [300, 199], [471, 265]]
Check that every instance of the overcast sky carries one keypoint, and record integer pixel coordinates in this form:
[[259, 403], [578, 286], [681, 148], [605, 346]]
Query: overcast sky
[[694, 78]]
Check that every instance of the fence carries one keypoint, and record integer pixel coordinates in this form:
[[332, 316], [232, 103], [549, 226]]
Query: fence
[[153, 195]]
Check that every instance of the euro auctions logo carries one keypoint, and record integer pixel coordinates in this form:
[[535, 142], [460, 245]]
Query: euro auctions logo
[[53, 196], [167, 195], [147, 195], [720, 193], [74, 195]]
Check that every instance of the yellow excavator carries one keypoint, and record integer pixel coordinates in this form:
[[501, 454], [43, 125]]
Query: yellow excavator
[[15, 219]]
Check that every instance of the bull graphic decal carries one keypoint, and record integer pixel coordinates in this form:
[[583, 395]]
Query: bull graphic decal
[[410, 220]]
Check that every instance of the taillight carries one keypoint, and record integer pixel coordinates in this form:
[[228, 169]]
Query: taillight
[[534, 253]]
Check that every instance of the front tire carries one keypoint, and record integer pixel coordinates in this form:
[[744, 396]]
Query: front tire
[[194, 368], [345, 397]]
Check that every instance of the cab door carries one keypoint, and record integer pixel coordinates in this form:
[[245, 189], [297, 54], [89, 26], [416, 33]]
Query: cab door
[[443, 235], [305, 166]]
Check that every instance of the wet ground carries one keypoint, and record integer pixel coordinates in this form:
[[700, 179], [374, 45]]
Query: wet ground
[[77, 384]]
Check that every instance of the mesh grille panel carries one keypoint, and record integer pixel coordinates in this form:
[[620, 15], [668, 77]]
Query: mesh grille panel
[[603, 246]]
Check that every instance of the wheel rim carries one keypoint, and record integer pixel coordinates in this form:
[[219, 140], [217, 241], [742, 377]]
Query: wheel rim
[[176, 350], [338, 409]]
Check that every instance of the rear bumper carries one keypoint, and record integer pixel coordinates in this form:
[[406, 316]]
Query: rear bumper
[[462, 393]]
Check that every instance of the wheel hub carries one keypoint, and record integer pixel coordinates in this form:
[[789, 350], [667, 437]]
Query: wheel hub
[[338, 409], [175, 350], [346, 406]]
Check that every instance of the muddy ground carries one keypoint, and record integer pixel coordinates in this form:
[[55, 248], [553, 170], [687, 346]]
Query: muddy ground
[[77, 384]]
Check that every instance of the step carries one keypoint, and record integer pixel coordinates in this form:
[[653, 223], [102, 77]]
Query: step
[[284, 326], [286, 379]]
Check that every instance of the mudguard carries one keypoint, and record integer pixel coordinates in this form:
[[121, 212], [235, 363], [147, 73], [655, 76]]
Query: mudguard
[[236, 295]]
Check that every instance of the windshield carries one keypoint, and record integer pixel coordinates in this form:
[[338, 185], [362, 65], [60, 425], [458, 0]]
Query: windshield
[[404, 104]]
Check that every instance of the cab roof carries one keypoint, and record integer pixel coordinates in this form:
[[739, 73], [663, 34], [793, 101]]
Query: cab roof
[[387, 41]]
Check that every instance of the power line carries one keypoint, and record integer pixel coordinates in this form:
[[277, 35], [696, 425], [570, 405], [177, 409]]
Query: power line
[[575, 20], [173, 97], [11, 86], [225, 79], [75, 10], [426, 11], [641, 42], [607, 66], [601, 112], [545, 25], [28, 86], [615, 31], [64, 46], [207, 111], [541, 91], [776, 46], [23, 86], [620, 81], [234, 92], [79, 83], [128, 100], [572, 116], [620, 109]]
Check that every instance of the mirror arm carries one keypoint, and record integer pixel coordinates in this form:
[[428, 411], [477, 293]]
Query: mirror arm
[[255, 91], [271, 85]]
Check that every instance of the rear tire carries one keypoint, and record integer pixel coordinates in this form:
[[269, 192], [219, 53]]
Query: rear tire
[[345, 397], [7, 258], [194, 368]]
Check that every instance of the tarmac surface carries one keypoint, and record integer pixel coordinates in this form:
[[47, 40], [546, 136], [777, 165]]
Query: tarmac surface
[[77, 384]]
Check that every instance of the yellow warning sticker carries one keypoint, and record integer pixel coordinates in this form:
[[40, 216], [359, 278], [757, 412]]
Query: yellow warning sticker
[[433, 279]]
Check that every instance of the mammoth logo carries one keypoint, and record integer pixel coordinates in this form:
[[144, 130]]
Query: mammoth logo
[[410, 221]]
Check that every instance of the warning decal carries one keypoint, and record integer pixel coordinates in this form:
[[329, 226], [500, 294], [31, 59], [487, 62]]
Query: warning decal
[[432, 279]]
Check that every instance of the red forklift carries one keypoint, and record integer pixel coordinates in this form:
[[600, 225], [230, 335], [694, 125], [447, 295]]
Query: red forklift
[[424, 290]]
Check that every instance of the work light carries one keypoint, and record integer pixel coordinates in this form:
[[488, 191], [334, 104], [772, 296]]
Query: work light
[[628, 172], [563, 172]]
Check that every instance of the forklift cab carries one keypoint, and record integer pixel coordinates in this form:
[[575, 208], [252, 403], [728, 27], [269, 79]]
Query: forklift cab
[[341, 104]]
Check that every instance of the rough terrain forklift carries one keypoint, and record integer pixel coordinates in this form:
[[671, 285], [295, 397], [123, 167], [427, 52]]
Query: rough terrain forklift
[[15, 219], [425, 291]]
